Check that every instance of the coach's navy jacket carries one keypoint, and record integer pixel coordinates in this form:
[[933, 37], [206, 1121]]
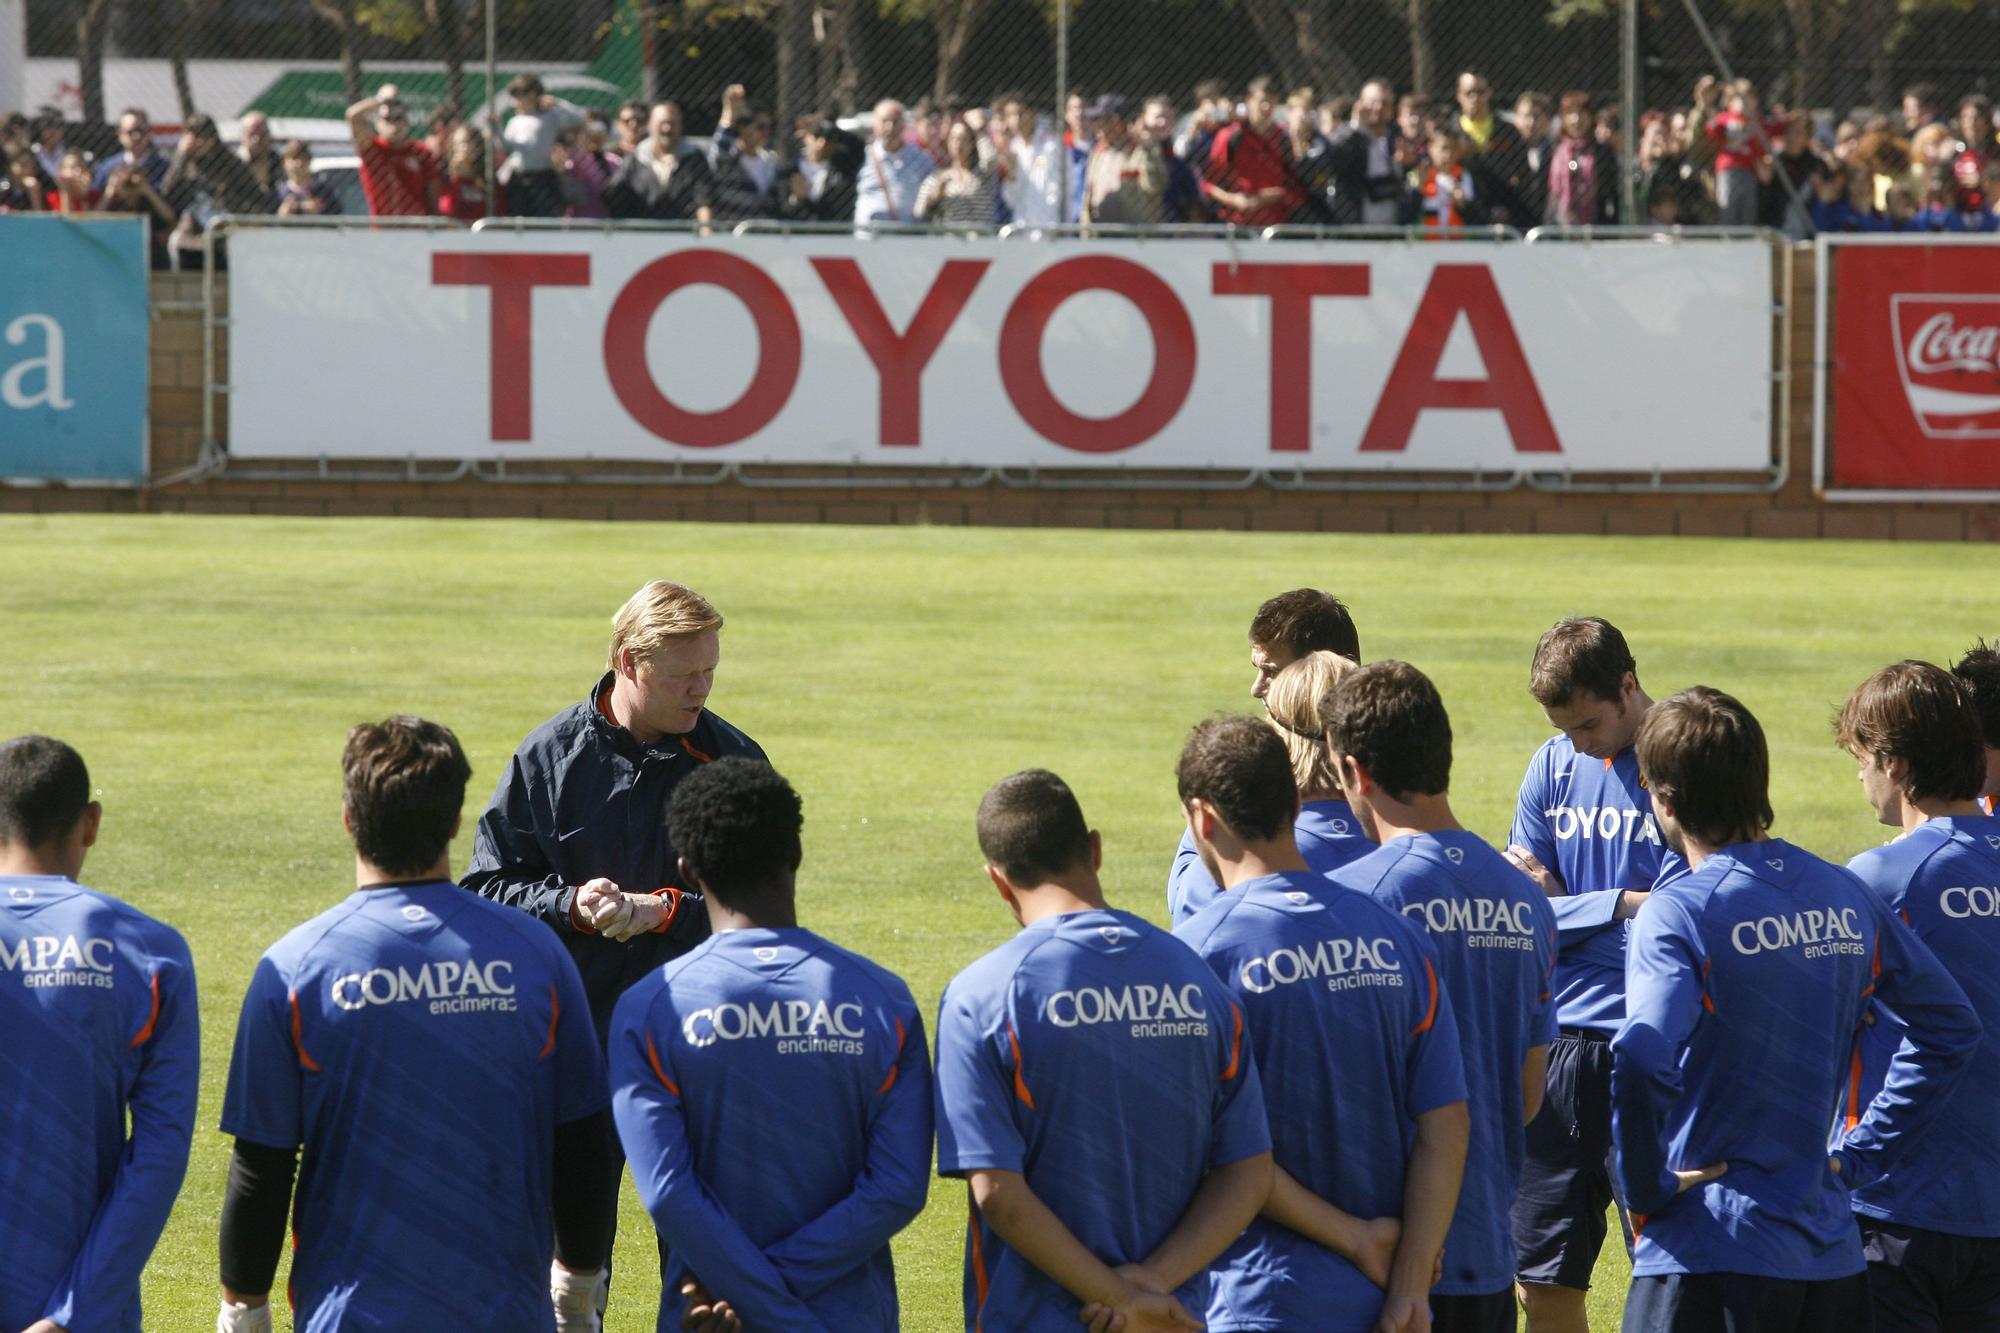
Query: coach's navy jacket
[[582, 800]]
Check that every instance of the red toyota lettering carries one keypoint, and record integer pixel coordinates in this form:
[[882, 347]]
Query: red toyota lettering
[[1291, 288], [1021, 354], [778, 348], [511, 280], [900, 358], [1414, 386]]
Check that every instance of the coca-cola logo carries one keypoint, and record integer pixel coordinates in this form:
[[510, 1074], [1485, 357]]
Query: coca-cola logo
[[1948, 353]]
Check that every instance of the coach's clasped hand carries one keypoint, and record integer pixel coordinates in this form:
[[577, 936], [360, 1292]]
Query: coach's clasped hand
[[235, 1318], [620, 916]]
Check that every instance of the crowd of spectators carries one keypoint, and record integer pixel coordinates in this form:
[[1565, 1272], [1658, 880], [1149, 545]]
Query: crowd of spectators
[[1256, 158]]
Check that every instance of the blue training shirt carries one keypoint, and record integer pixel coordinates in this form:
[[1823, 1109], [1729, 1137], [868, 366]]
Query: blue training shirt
[[1590, 822], [1496, 941], [1944, 880], [1328, 837], [1746, 985], [1354, 1039], [421, 1044], [1097, 1056], [773, 1093], [98, 1017]]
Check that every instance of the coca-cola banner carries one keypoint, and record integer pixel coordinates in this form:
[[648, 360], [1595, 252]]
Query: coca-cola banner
[[908, 350], [1914, 366]]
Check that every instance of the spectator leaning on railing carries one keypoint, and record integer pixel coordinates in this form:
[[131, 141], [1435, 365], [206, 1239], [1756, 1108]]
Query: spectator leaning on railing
[[892, 171], [207, 181], [1741, 138], [664, 179], [1032, 154], [303, 191], [823, 189], [1125, 181], [1368, 162], [1498, 153], [1249, 179], [1583, 173], [587, 169], [466, 195], [961, 194], [1183, 197], [259, 155], [399, 176], [71, 190], [751, 180], [527, 174], [135, 139]]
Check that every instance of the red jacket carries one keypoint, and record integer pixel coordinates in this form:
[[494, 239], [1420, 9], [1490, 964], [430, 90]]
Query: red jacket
[[1242, 161]]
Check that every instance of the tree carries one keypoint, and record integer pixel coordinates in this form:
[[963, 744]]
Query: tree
[[91, 19], [339, 14], [1299, 36]]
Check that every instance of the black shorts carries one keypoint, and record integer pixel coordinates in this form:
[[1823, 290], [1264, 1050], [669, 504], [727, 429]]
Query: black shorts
[[1566, 1181], [1930, 1281], [1492, 1313], [1743, 1303]]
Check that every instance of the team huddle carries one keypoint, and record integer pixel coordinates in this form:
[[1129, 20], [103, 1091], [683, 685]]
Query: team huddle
[[1380, 1075]]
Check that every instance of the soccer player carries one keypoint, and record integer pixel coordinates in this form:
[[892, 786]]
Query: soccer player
[[433, 1056], [1496, 941], [575, 834], [1746, 983], [773, 1090], [1326, 833], [1094, 1089], [1286, 629], [1930, 1225], [1584, 830], [1357, 1049], [1980, 670], [98, 1021]]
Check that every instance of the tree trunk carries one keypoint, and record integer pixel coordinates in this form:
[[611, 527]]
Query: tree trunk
[[848, 43], [796, 66], [955, 21], [1805, 45], [1295, 34], [177, 26], [90, 23], [339, 14], [1418, 16], [443, 35], [1873, 23]]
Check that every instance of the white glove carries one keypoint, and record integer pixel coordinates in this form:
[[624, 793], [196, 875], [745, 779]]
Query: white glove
[[575, 1298], [234, 1318]]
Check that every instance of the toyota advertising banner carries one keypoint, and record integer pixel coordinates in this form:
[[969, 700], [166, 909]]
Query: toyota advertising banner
[[1913, 355], [948, 351]]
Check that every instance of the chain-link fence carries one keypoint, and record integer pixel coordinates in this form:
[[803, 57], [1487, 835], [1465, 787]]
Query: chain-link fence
[[1454, 113]]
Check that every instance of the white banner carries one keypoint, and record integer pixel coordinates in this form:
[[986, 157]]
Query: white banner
[[936, 351]]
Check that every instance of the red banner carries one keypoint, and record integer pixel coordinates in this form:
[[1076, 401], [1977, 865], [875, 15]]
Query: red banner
[[1916, 367]]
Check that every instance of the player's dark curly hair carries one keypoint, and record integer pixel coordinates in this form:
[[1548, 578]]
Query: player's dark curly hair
[[1703, 753], [44, 788], [1239, 766], [1980, 669], [736, 823], [403, 782], [1032, 828], [1306, 620], [1390, 719]]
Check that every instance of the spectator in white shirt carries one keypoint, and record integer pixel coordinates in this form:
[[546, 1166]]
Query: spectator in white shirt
[[1033, 157], [533, 188], [892, 172]]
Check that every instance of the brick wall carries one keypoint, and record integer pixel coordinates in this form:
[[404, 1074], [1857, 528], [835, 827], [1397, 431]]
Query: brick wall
[[833, 495]]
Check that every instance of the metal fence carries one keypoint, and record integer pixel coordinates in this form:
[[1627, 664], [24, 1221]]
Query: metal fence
[[1842, 68]]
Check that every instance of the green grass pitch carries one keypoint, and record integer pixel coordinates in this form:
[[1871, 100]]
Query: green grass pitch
[[209, 668]]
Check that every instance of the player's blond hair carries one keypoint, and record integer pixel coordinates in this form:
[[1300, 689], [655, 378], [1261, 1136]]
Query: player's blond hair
[[1293, 703], [660, 611]]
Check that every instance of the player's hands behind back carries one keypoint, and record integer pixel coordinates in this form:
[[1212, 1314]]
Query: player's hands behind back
[[702, 1313]]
